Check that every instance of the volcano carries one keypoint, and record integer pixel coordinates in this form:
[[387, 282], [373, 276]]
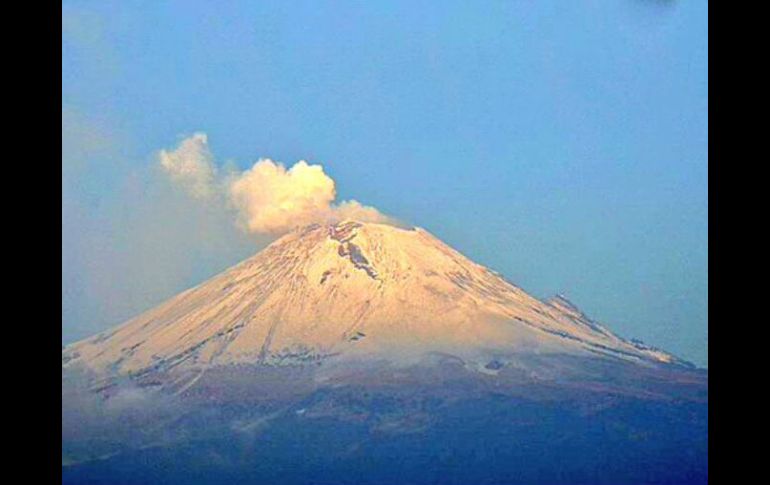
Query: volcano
[[370, 337], [351, 290]]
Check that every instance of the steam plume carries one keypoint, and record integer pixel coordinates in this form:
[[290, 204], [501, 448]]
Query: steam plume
[[268, 198]]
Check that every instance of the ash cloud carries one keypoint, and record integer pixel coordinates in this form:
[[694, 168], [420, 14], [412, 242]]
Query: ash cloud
[[267, 198]]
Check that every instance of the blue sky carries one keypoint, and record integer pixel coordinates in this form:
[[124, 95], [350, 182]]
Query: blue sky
[[563, 144]]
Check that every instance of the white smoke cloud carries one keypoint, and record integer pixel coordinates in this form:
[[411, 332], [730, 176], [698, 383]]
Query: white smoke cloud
[[268, 198], [272, 199], [191, 165]]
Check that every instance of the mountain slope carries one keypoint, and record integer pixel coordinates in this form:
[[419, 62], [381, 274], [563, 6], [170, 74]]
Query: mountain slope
[[349, 290]]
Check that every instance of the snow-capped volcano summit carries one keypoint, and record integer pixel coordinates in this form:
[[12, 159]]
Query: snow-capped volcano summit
[[349, 290]]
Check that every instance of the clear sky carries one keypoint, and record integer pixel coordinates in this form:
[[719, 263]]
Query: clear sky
[[563, 144]]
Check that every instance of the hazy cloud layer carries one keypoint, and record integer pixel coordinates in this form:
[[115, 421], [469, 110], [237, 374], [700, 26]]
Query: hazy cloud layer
[[268, 198], [130, 239]]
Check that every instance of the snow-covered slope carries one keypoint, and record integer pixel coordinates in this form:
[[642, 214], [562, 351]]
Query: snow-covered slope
[[348, 290]]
